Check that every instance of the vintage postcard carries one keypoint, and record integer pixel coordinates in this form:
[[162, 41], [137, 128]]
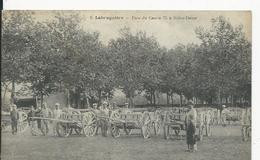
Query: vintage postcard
[[124, 85]]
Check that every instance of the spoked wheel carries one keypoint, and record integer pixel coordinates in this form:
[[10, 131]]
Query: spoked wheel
[[146, 125], [22, 123], [89, 124], [157, 127], [90, 131], [128, 131], [115, 131], [115, 115], [78, 130], [146, 131], [177, 131], [63, 129]]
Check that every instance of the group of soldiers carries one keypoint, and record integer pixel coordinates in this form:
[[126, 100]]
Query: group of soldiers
[[43, 112]]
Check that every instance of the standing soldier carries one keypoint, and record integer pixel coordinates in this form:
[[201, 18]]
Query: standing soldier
[[190, 122], [56, 115], [246, 123], [46, 113], [95, 107], [104, 123], [14, 118], [31, 115]]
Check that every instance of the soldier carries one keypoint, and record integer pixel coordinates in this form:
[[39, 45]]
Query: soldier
[[14, 118], [246, 123], [104, 123], [46, 113], [38, 113], [95, 106], [56, 115], [31, 121], [190, 122]]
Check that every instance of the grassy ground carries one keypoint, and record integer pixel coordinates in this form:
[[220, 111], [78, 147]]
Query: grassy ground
[[225, 144]]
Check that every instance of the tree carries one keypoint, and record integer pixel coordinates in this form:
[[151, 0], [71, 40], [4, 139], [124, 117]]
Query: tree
[[223, 47], [132, 60], [42, 68], [16, 27]]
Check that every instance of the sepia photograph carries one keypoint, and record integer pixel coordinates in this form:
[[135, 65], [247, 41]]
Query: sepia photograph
[[126, 85]]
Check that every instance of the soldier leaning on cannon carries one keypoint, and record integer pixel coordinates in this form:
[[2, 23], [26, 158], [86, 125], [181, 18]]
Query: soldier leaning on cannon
[[14, 118]]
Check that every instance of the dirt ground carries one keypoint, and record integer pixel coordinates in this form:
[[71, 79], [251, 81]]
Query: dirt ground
[[224, 144]]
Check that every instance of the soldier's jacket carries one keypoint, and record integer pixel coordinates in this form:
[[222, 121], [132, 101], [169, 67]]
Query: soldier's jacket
[[14, 115]]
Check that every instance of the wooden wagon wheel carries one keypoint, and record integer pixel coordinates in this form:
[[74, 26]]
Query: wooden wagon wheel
[[115, 114], [146, 125], [62, 129], [78, 130], [177, 131], [89, 124], [22, 123], [128, 131], [115, 131]]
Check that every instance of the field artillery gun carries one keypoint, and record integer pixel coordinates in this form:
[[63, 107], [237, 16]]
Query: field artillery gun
[[128, 121], [232, 116], [174, 120], [81, 121]]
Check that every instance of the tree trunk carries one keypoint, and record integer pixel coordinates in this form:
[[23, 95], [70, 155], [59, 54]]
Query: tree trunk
[[180, 100], [131, 102], [5, 89], [13, 92], [68, 98], [219, 97], [41, 99], [232, 100], [167, 98], [99, 97], [172, 99], [154, 99]]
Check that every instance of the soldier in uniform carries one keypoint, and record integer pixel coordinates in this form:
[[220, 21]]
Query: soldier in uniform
[[46, 113], [190, 122], [56, 115], [246, 124], [14, 118], [104, 123]]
